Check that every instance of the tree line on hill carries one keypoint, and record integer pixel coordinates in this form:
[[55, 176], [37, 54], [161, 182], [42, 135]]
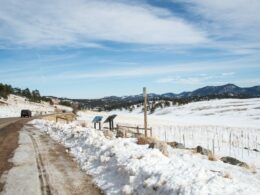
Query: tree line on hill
[[107, 104], [66, 103], [157, 101], [33, 96]]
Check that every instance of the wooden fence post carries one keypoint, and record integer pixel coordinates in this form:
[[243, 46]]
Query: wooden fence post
[[213, 147], [145, 111], [126, 133], [117, 129]]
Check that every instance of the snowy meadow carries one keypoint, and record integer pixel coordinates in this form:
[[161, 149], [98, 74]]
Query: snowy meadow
[[229, 127], [121, 166]]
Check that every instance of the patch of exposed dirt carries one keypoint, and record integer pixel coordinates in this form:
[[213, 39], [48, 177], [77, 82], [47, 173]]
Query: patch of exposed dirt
[[60, 169], [8, 143]]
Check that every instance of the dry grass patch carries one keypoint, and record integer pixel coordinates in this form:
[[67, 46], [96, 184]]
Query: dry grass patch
[[252, 168], [212, 157], [227, 175], [142, 140]]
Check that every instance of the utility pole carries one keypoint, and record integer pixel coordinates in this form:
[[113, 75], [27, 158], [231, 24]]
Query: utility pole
[[145, 111]]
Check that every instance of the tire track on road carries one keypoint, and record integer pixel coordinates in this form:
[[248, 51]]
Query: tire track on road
[[43, 175]]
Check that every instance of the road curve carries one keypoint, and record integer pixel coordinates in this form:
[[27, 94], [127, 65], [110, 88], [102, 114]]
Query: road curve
[[6, 121]]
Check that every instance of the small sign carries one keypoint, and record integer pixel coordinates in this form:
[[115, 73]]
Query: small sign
[[97, 119], [110, 118]]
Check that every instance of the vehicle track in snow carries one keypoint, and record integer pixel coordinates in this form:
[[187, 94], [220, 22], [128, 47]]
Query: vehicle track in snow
[[43, 174]]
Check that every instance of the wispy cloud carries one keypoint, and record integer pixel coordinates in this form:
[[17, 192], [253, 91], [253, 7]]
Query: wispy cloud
[[195, 80], [165, 80], [196, 68], [87, 23], [228, 73], [232, 24], [154, 70], [207, 80]]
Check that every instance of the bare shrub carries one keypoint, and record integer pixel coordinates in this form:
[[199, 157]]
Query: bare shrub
[[212, 157], [142, 140], [252, 168], [227, 175]]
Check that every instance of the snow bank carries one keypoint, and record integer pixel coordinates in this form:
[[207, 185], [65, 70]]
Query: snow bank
[[120, 166]]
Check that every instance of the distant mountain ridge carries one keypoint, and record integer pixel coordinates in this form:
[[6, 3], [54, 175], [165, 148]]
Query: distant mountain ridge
[[228, 89], [204, 93]]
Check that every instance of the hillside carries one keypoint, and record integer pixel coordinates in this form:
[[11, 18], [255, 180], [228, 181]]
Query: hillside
[[230, 112], [205, 93], [228, 90], [31, 95], [14, 99], [12, 106], [122, 165]]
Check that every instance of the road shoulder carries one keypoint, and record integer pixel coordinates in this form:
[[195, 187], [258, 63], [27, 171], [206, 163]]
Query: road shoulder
[[43, 166], [9, 135]]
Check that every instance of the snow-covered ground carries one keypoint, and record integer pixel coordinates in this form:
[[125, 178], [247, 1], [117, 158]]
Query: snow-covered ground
[[230, 126], [120, 166], [228, 112], [14, 104]]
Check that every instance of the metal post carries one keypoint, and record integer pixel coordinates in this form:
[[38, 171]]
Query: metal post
[[110, 125], [145, 111]]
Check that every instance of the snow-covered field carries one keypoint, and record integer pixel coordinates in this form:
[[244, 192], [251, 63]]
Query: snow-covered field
[[120, 166], [14, 104], [230, 127]]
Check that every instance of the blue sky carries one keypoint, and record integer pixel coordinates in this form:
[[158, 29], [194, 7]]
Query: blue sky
[[91, 49]]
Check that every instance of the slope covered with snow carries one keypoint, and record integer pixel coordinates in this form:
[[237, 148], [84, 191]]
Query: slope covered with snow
[[229, 112], [14, 104], [120, 166], [230, 127]]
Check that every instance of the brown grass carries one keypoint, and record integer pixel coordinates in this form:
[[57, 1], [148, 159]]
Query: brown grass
[[252, 168], [227, 175], [212, 157], [141, 140]]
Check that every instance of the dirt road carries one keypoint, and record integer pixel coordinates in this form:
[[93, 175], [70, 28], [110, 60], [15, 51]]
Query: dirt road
[[9, 134], [32, 163], [6, 121]]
